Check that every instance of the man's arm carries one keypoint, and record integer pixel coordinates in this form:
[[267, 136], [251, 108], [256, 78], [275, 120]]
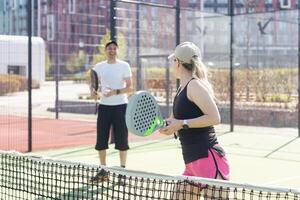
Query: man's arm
[[128, 88]]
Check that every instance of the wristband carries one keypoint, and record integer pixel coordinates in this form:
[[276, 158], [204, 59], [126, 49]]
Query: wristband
[[185, 124], [118, 91]]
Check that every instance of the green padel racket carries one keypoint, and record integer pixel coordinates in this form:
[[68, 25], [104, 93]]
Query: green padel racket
[[143, 116]]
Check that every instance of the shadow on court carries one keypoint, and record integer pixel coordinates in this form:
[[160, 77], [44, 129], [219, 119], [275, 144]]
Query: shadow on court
[[49, 133]]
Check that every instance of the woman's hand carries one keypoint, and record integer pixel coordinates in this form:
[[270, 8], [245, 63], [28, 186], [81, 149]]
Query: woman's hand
[[173, 125]]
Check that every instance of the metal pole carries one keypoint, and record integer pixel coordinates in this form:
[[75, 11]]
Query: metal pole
[[168, 83], [138, 61], [29, 31], [216, 6], [38, 18], [113, 36], [298, 67], [112, 20], [177, 31], [231, 13], [57, 66]]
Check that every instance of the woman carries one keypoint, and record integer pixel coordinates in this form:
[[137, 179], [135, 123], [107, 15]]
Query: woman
[[194, 114]]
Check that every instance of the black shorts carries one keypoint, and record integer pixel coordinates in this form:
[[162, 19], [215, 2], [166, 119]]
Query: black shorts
[[115, 116]]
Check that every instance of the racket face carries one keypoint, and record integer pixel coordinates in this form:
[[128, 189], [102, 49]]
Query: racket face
[[143, 115], [94, 80]]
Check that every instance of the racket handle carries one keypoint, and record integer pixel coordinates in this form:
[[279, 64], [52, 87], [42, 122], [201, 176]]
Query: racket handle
[[96, 108], [175, 136], [166, 123]]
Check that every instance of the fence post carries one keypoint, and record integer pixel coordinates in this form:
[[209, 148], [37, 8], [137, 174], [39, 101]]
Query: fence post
[[177, 31], [57, 65], [112, 20], [29, 32], [167, 87], [138, 61], [231, 14], [113, 4], [298, 67]]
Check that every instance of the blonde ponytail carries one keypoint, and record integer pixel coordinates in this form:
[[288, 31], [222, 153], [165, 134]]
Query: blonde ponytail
[[199, 69], [200, 72]]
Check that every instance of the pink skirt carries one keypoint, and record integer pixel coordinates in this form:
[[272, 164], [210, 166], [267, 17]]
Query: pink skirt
[[208, 167]]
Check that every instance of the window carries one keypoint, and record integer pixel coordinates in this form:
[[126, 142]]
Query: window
[[3, 6], [268, 40], [285, 4], [193, 2], [23, 3], [73, 30], [72, 6], [13, 4], [15, 69], [44, 21], [50, 27], [45, 8]]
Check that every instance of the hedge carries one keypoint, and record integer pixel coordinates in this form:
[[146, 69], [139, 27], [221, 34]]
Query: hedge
[[260, 85], [14, 83]]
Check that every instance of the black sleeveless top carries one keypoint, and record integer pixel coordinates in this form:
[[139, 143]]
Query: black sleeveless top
[[195, 142]]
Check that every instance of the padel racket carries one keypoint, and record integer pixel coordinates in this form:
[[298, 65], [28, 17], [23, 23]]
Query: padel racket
[[94, 85], [143, 116]]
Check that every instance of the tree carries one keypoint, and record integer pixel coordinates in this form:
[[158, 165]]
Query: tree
[[48, 64], [100, 56], [76, 62]]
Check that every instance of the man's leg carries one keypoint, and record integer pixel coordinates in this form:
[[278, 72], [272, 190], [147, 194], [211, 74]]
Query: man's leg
[[103, 124], [104, 121], [102, 157], [120, 133], [123, 158], [102, 175]]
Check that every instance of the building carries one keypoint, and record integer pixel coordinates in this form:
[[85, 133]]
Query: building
[[13, 17], [260, 40], [68, 26]]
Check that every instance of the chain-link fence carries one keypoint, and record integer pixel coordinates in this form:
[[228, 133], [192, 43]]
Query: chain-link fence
[[251, 52]]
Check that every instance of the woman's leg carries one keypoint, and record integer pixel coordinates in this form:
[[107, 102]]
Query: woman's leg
[[215, 167]]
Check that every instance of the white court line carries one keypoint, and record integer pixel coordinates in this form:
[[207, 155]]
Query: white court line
[[282, 180]]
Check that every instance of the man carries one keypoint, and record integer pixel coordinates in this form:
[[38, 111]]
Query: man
[[115, 80]]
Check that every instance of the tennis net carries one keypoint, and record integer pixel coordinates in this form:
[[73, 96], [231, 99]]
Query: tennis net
[[32, 177]]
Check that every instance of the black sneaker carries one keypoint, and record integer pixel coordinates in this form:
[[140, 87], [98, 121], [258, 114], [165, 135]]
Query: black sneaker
[[101, 176]]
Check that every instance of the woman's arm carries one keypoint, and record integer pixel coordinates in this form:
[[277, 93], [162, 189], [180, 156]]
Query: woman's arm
[[198, 93]]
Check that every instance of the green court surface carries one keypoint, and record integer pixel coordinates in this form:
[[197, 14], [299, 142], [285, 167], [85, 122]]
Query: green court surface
[[257, 155]]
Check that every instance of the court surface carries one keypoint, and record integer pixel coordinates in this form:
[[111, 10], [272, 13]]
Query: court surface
[[257, 155]]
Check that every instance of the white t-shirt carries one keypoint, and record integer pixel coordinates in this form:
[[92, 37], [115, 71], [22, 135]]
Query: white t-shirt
[[113, 76]]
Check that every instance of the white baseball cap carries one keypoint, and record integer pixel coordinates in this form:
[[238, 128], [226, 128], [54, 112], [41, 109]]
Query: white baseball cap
[[185, 52]]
